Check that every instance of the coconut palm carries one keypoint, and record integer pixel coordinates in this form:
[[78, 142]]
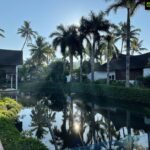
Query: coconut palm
[[136, 46], [91, 28], [121, 33], [39, 50], [2, 33], [109, 48], [68, 40], [26, 32], [60, 38], [81, 51], [75, 46], [130, 6]]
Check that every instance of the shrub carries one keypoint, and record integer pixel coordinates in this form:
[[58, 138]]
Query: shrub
[[9, 135], [143, 81]]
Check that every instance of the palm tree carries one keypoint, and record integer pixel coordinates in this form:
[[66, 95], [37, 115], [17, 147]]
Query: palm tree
[[50, 54], [74, 46], [68, 40], [26, 32], [136, 46], [121, 33], [109, 48], [130, 6], [38, 121], [60, 38], [39, 50], [2, 33], [90, 27], [81, 50]]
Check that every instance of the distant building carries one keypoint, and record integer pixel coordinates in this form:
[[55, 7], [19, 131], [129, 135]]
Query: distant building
[[139, 67], [9, 62]]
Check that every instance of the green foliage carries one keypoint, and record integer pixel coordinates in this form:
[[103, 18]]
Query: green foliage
[[143, 81], [56, 73], [9, 108], [86, 68], [9, 135], [100, 81]]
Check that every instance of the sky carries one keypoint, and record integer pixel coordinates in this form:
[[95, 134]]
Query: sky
[[46, 15]]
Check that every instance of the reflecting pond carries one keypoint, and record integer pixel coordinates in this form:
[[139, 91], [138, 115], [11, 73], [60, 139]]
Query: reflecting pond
[[85, 122]]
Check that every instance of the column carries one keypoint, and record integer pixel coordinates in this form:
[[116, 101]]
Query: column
[[11, 80], [16, 77]]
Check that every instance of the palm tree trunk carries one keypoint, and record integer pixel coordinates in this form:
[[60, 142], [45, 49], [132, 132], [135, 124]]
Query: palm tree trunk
[[122, 46], [128, 49], [71, 67], [109, 131], [64, 66], [93, 123], [24, 43], [108, 67], [52, 134], [92, 61], [81, 67], [51, 131]]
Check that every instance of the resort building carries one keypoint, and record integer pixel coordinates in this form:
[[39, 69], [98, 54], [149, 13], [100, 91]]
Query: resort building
[[9, 62], [139, 67]]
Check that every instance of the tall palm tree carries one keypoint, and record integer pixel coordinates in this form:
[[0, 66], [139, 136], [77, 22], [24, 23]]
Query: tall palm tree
[[68, 40], [26, 32], [91, 28], [50, 53], [2, 33], [109, 48], [60, 40], [130, 6], [39, 50], [136, 46], [74, 46], [121, 33]]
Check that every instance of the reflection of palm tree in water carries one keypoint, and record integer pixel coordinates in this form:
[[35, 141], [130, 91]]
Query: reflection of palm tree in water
[[99, 130], [43, 117]]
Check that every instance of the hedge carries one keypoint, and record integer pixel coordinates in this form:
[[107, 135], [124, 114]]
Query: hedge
[[115, 92]]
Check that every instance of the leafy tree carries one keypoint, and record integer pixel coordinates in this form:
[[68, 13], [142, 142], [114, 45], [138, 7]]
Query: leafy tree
[[56, 72], [26, 32]]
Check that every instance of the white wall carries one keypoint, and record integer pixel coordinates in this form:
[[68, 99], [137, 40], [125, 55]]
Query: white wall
[[68, 78], [146, 72], [100, 75]]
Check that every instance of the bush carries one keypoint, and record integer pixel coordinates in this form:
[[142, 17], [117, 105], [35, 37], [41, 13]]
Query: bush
[[143, 81], [100, 81], [117, 83], [9, 135]]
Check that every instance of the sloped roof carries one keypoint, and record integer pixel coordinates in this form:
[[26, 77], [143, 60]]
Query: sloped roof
[[10, 57], [136, 62]]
